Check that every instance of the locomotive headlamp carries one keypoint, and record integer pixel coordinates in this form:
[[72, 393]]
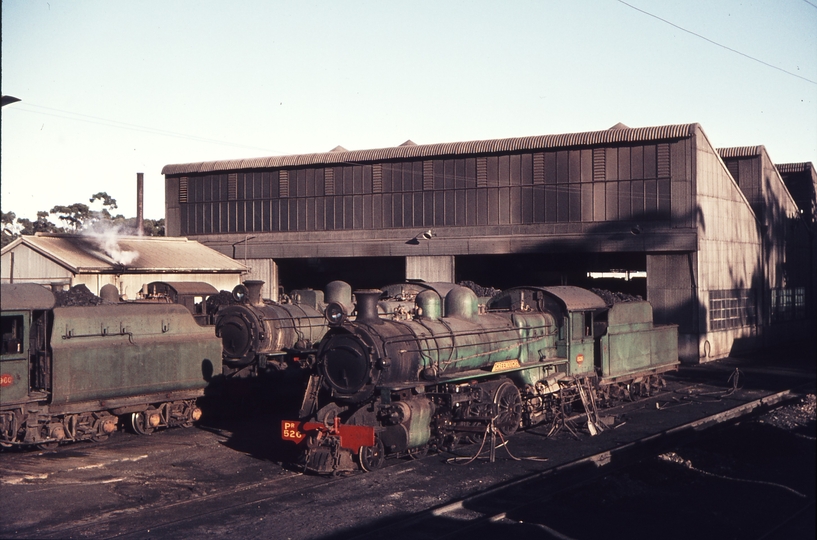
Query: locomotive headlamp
[[335, 313], [239, 293]]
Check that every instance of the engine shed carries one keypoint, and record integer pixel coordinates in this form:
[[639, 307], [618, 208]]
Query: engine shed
[[717, 242], [129, 263]]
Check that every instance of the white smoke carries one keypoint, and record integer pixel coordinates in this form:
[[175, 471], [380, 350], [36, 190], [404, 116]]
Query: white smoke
[[107, 239]]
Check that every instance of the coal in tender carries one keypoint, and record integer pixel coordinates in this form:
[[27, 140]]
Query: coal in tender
[[611, 297], [78, 295]]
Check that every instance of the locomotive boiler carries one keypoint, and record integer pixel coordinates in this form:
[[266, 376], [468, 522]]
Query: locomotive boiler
[[403, 387], [258, 334], [72, 373]]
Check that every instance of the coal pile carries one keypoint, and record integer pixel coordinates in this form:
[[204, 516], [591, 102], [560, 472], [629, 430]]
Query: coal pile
[[78, 295], [480, 291], [214, 301], [611, 297]]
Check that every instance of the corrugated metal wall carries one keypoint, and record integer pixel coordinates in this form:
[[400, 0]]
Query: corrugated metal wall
[[571, 185]]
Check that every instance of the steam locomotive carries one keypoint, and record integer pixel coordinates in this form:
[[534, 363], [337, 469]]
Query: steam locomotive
[[259, 334], [458, 370], [68, 373]]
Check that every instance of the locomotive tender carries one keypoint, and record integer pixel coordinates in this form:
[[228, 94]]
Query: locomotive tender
[[69, 373], [403, 386]]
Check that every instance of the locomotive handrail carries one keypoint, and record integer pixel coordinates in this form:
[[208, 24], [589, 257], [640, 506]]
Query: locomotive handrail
[[392, 340], [70, 335], [426, 357]]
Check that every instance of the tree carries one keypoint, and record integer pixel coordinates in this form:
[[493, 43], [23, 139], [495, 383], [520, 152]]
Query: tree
[[106, 199], [77, 217], [8, 234]]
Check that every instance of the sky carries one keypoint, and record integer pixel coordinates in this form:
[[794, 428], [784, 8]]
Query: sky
[[110, 88]]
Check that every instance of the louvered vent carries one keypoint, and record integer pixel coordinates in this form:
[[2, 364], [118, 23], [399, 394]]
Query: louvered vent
[[539, 168], [377, 178], [428, 175], [733, 170], [329, 181], [232, 187], [183, 189], [482, 172], [599, 164], [663, 161], [283, 184]]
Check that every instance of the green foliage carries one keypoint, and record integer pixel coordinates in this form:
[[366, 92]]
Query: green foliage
[[74, 215], [75, 218], [106, 199]]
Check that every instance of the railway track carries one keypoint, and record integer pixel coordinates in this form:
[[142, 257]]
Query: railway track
[[412, 496], [498, 510]]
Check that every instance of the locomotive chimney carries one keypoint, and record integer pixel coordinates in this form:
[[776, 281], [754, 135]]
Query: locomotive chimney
[[254, 291], [140, 199], [367, 305]]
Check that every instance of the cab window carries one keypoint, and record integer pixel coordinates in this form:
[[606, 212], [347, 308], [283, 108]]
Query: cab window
[[12, 335]]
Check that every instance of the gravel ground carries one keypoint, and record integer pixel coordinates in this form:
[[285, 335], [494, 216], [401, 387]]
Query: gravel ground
[[793, 417]]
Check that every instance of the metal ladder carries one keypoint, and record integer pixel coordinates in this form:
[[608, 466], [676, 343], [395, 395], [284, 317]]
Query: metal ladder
[[594, 425]]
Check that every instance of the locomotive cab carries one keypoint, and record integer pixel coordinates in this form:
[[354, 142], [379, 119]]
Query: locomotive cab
[[575, 311], [24, 365]]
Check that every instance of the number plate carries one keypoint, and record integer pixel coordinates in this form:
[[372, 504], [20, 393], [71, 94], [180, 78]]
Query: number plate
[[504, 365]]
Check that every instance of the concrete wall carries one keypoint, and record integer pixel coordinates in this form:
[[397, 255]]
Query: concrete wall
[[431, 269]]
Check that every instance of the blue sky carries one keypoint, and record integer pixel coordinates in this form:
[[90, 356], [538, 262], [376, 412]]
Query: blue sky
[[112, 88]]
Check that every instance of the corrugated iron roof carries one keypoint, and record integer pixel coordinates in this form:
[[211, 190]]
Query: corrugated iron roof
[[740, 151], [96, 253], [26, 296], [794, 167], [609, 136]]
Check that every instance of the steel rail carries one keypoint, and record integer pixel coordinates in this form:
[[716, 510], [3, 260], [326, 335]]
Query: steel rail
[[170, 514]]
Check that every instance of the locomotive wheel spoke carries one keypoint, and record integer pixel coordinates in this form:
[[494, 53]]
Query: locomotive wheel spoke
[[372, 457], [46, 433], [509, 406]]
